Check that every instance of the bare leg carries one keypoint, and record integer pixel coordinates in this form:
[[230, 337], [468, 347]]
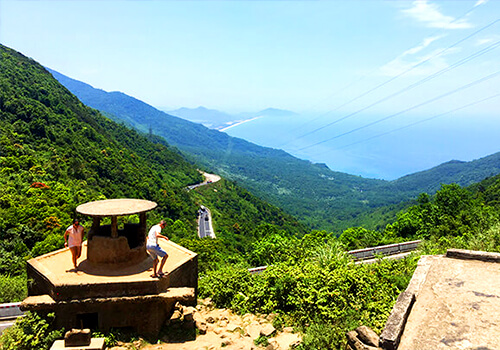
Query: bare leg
[[74, 255], [163, 260], [155, 264], [79, 252]]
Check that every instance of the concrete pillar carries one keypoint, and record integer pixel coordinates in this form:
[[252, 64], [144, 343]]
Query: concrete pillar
[[96, 223], [143, 224], [114, 227]]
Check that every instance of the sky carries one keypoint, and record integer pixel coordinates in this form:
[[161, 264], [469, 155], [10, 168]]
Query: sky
[[342, 65], [243, 56]]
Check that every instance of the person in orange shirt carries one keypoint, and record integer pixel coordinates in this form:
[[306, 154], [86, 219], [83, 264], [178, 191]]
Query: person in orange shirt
[[73, 238]]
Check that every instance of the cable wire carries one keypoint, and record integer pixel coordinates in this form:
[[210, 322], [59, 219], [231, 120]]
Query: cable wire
[[392, 79], [466, 86], [360, 79], [417, 122]]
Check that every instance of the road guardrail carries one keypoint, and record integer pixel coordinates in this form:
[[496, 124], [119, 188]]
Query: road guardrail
[[366, 253]]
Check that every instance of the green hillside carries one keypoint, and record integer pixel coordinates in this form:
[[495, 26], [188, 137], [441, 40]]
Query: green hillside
[[56, 153], [318, 196]]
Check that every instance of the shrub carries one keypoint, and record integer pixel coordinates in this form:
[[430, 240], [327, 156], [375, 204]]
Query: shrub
[[13, 289], [31, 332]]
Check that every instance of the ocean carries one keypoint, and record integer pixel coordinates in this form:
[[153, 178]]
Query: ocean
[[385, 150]]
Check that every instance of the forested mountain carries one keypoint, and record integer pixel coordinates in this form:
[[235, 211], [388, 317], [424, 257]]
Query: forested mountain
[[455, 171], [318, 196], [57, 153]]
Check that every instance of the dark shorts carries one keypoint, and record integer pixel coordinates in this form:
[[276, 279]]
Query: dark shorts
[[156, 251]]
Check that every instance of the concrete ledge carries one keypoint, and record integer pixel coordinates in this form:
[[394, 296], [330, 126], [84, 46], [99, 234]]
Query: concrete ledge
[[95, 344], [391, 335], [473, 255], [45, 302], [420, 274]]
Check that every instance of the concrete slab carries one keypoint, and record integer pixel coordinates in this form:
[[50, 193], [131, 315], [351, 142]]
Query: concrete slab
[[457, 306], [95, 344], [101, 281]]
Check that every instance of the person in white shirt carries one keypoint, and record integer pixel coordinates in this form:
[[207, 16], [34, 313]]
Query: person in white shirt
[[155, 250], [73, 238]]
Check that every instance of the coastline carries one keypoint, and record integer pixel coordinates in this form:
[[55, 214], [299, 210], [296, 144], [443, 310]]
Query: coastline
[[239, 123]]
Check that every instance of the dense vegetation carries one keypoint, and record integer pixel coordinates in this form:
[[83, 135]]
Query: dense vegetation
[[55, 153], [319, 197], [313, 286]]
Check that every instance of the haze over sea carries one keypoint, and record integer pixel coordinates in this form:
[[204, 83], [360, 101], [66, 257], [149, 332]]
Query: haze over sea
[[395, 154]]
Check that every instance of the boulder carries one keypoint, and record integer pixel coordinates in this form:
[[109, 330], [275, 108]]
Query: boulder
[[77, 337], [354, 343], [253, 330], [231, 327], [367, 336], [176, 317], [202, 327], [267, 330], [225, 342], [189, 313]]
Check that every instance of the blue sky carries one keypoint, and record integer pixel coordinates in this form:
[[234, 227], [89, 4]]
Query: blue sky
[[342, 65], [250, 55]]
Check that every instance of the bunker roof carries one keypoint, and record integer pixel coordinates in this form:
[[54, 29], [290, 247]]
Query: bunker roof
[[116, 207]]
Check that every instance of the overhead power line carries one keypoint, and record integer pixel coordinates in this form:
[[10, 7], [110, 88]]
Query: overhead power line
[[363, 77], [420, 121], [399, 75], [466, 86]]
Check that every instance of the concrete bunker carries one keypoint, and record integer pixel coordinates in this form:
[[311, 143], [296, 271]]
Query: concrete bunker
[[112, 287]]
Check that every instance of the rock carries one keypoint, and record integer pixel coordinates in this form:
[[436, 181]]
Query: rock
[[271, 317], [225, 342], [288, 340], [202, 327], [179, 307], [354, 343], [199, 317], [253, 330], [77, 337], [367, 336], [267, 330], [211, 319], [176, 317], [189, 313], [288, 330], [223, 323], [231, 327]]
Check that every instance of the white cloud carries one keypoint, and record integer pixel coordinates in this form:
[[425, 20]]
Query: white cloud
[[480, 2], [487, 40], [425, 43], [429, 14]]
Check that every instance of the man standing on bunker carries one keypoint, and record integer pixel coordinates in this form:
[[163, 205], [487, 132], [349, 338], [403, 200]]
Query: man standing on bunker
[[73, 238], [155, 250]]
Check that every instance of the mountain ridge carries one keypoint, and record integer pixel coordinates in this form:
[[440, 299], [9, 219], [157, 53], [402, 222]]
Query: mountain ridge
[[317, 195]]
